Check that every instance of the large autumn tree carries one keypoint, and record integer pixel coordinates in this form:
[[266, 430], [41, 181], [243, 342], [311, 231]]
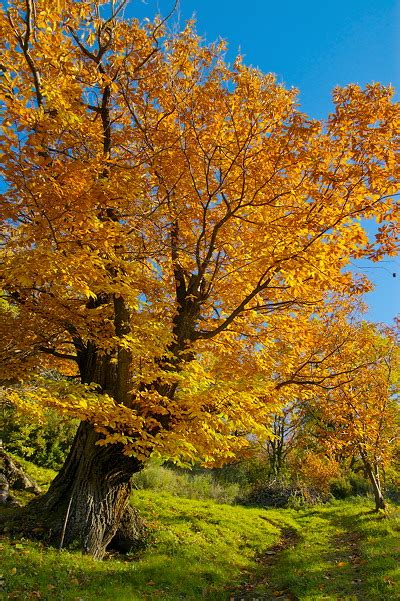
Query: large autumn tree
[[163, 212]]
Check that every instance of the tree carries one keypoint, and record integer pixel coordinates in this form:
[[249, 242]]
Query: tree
[[360, 417], [339, 390], [164, 215]]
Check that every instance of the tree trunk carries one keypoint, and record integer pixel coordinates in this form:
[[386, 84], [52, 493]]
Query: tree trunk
[[373, 475], [87, 504], [87, 500]]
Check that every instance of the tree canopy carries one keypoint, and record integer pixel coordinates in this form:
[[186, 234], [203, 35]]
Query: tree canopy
[[167, 217]]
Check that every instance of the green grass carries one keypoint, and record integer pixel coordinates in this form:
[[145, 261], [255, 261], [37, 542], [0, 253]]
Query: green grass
[[183, 484], [42, 475], [204, 550], [345, 552], [200, 550]]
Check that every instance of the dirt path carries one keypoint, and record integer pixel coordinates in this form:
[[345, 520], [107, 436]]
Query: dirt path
[[289, 538], [345, 553]]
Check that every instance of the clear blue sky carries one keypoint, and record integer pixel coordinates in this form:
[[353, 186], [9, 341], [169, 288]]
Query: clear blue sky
[[312, 46]]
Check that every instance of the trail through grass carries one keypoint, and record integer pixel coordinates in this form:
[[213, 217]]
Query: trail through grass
[[204, 550], [344, 552]]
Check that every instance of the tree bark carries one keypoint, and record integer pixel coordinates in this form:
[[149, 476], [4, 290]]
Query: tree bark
[[373, 475], [87, 500], [87, 504]]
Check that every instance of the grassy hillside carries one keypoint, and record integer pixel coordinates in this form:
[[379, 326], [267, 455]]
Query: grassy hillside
[[204, 550]]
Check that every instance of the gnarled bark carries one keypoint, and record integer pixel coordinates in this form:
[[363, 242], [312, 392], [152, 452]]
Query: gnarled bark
[[87, 500]]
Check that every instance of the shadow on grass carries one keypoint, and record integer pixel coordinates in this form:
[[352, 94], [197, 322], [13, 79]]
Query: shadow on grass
[[36, 572], [344, 552]]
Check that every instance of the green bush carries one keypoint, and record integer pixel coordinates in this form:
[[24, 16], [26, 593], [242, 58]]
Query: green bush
[[45, 444], [349, 485], [392, 482], [246, 472], [359, 484], [340, 488]]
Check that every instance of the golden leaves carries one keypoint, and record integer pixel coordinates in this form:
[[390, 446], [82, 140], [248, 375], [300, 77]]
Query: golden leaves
[[143, 167]]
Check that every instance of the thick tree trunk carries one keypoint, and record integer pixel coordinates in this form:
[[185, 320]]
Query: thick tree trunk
[[86, 502]]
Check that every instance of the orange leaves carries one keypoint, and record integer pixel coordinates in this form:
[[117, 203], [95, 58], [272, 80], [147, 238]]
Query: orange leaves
[[360, 412], [317, 470], [142, 168]]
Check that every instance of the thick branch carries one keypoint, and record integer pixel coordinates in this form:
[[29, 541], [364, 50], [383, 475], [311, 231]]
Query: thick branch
[[23, 41], [52, 351], [206, 335]]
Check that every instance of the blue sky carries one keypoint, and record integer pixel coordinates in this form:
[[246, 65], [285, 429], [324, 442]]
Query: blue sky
[[312, 46]]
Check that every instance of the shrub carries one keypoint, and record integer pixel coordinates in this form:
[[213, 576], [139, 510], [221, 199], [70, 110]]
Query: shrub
[[245, 472], [277, 493], [315, 470], [46, 444], [341, 488], [359, 484], [349, 485]]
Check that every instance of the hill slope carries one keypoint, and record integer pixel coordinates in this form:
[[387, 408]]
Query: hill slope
[[204, 550]]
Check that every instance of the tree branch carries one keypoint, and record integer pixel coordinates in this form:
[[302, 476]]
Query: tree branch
[[24, 45], [52, 351]]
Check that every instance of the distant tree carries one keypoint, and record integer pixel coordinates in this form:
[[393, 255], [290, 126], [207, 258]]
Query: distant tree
[[339, 391], [361, 417]]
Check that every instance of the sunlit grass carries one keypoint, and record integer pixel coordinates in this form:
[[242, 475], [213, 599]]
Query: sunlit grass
[[199, 550], [42, 475], [204, 550], [345, 552]]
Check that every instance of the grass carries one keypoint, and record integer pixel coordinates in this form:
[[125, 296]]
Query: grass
[[345, 552], [199, 551], [42, 475], [183, 484], [204, 550]]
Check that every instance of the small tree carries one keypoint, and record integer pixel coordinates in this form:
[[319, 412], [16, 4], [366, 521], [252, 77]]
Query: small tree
[[360, 416]]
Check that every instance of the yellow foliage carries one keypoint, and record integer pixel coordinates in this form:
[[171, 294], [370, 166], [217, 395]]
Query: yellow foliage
[[175, 228], [317, 470]]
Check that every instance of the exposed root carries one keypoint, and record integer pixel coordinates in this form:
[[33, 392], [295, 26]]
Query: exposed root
[[32, 522], [13, 476]]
